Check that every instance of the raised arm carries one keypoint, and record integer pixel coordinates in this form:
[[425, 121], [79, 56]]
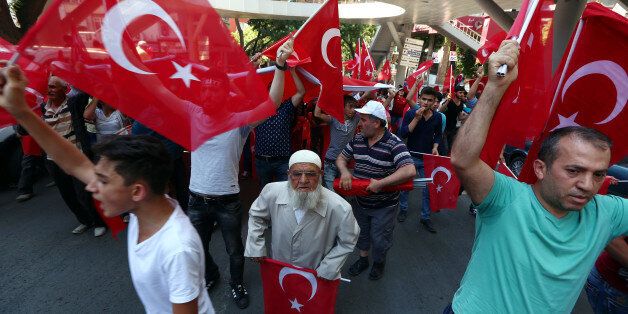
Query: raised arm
[[476, 176], [388, 101], [413, 92], [319, 114], [66, 155], [474, 87], [90, 110], [297, 98]]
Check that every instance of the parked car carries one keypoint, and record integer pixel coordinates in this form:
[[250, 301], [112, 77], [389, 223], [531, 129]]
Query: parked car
[[10, 157], [515, 158]]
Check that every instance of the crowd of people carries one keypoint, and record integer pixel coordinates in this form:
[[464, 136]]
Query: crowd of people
[[535, 245]]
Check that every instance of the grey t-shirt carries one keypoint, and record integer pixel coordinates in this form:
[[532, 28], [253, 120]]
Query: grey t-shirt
[[339, 135]]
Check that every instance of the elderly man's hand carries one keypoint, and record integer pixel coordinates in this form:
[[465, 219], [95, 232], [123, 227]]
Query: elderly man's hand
[[375, 186], [507, 54], [345, 181], [12, 85], [284, 52]]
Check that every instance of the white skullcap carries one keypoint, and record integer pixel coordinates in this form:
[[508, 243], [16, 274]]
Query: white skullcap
[[304, 155]]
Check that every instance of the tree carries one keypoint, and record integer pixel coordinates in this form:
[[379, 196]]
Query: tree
[[26, 13], [466, 62], [350, 33]]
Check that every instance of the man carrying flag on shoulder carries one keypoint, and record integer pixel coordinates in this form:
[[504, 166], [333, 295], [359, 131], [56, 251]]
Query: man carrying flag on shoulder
[[534, 244]]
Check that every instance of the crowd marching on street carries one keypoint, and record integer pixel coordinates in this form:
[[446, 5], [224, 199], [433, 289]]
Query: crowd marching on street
[[334, 168]]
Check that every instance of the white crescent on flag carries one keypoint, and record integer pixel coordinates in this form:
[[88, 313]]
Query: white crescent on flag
[[291, 271]]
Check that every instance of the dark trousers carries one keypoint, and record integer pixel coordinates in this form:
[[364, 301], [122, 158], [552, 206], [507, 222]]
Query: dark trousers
[[271, 170], [30, 166], [179, 183], [450, 136], [247, 156], [227, 211], [75, 196], [376, 229]]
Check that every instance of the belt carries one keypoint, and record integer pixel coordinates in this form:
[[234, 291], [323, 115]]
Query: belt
[[214, 197], [272, 158]]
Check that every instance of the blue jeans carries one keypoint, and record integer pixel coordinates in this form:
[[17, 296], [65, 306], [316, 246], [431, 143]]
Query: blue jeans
[[330, 173], [403, 196], [604, 298], [271, 171], [227, 211]]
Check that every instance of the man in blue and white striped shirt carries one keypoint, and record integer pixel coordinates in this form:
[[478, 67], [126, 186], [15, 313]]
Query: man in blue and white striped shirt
[[384, 159]]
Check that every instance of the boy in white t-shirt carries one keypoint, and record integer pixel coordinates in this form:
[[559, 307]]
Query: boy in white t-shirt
[[165, 253]]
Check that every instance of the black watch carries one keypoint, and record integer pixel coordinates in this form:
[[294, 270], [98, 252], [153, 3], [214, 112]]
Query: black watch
[[283, 67]]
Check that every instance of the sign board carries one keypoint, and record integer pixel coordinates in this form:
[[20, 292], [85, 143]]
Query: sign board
[[411, 53], [453, 56]]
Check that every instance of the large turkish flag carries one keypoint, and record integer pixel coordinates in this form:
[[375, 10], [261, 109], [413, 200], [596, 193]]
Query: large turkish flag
[[290, 289], [445, 186], [181, 89], [367, 62], [591, 85], [384, 73]]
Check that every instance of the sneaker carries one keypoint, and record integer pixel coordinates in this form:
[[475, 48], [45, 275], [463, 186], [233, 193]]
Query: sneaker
[[359, 266], [427, 224], [377, 271], [100, 231], [210, 284], [24, 197], [80, 229], [403, 214], [472, 210], [240, 296]]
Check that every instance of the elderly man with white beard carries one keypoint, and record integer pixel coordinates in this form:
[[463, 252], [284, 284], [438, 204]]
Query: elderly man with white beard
[[312, 227]]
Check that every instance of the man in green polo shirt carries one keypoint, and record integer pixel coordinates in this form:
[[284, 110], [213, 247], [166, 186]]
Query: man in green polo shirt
[[534, 244]]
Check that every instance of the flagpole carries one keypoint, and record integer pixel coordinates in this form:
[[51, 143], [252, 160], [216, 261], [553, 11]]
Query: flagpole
[[503, 69], [14, 57]]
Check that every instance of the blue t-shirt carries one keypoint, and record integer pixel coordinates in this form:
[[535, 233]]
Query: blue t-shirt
[[525, 260], [272, 138]]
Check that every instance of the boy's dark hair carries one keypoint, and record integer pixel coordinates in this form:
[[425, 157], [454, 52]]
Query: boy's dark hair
[[348, 99], [549, 148], [138, 157], [429, 91], [439, 97]]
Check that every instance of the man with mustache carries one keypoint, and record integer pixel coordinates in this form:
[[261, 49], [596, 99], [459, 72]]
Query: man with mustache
[[312, 226], [534, 244]]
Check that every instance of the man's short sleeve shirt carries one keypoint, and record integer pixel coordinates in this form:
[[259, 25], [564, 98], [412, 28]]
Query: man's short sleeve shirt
[[272, 138]]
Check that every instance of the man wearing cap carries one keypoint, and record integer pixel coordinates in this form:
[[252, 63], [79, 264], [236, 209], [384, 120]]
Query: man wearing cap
[[452, 108], [384, 159], [312, 227]]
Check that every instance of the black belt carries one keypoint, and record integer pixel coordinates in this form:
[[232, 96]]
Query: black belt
[[272, 158], [215, 197]]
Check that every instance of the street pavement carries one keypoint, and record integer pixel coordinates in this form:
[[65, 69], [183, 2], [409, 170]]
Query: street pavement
[[44, 268]]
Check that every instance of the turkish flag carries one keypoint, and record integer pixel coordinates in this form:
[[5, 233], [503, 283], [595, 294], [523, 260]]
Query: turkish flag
[[425, 66], [293, 60], [37, 81], [115, 224], [357, 59], [445, 184], [266, 75], [449, 79], [349, 65], [291, 289], [350, 85], [524, 107], [358, 187], [367, 62], [591, 84], [384, 73], [490, 46], [181, 93]]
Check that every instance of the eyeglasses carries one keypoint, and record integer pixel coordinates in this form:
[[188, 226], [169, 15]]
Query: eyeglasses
[[299, 174]]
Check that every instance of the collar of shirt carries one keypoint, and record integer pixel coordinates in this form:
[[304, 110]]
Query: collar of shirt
[[48, 106]]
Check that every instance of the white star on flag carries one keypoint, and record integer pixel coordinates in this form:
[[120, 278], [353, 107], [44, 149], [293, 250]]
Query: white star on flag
[[369, 72], [439, 188], [565, 122], [296, 305], [184, 73]]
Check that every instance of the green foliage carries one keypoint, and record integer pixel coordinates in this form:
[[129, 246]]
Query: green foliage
[[350, 34], [466, 62]]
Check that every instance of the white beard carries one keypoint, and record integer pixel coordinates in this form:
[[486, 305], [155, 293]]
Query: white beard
[[305, 200]]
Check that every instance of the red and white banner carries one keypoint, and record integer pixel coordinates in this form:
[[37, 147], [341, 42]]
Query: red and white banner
[[445, 186], [490, 46], [179, 90], [591, 85], [384, 73], [358, 187], [290, 289], [367, 68]]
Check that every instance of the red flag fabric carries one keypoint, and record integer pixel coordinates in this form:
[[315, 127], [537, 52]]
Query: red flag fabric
[[445, 184], [357, 59], [291, 289], [384, 73], [605, 185], [425, 66], [449, 80], [367, 63], [37, 81], [503, 169], [181, 92], [353, 85], [115, 224], [358, 187], [593, 69], [490, 46], [30, 146], [293, 60], [524, 108]]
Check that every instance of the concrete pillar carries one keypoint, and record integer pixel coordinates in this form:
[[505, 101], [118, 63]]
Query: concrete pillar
[[401, 70], [430, 47], [566, 17], [496, 13], [444, 62]]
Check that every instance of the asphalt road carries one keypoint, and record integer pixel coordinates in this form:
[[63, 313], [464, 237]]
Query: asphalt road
[[44, 268]]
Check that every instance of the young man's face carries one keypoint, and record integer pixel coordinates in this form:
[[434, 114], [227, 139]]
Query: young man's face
[[575, 176], [350, 109], [460, 95], [109, 188], [427, 101]]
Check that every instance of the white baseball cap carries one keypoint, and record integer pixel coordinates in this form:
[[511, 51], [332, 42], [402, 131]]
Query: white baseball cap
[[374, 108]]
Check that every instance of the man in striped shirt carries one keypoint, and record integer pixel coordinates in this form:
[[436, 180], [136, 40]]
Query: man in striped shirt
[[64, 114], [384, 159]]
